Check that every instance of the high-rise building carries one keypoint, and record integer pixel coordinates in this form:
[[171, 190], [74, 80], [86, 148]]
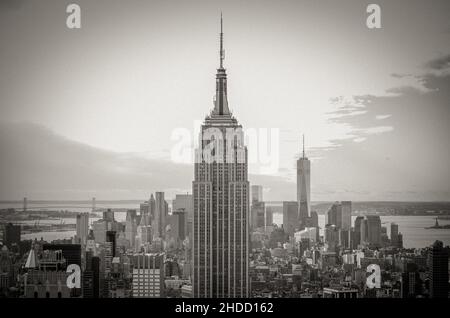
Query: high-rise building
[[111, 238], [334, 215], [179, 224], [221, 202], [269, 216], [131, 227], [290, 217], [99, 228], [185, 202], [108, 215], [7, 273], [331, 236], [91, 276], [410, 283], [359, 230], [257, 213], [346, 214], [394, 235], [373, 230], [148, 275], [11, 235], [340, 215], [161, 211], [304, 186], [438, 270], [257, 193], [82, 227], [147, 211]]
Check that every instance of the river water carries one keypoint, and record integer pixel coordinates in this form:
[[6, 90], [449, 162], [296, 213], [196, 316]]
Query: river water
[[412, 227]]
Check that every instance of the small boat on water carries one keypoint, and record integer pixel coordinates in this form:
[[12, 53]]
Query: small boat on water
[[437, 226]]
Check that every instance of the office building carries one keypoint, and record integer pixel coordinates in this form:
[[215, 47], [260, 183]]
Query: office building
[[290, 217], [257, 213], [185, 202], [257, 193], [438, 270], [131, 227], [303, 187], [221, 202], [148, 275], [11, 235], [82, 226], [160, 219]]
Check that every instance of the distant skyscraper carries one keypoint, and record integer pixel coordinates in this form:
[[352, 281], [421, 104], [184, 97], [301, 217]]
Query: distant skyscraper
[[257, 193], [161, 211], [334, 215], [346, 215], [359, 228], [111, 237], [304, 186], [131, 227], [11, 235], [438, 270], [269, 216], [340, 214], [82, 226], [108, 215], [178, 225], [90, 243], [410, 283], [394, 234], [257, 212], [374, 230], [91, 277], [221, 202], [290, 217], [185, 202]]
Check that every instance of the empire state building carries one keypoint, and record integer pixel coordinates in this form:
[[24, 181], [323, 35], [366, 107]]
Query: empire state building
[[221, 201]]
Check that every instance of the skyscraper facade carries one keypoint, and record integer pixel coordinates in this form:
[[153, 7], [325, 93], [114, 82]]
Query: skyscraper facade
[[148, 275], [346, 214], [161, 211], [82, 226], [11, 235], [184, 202], [257, 193], [221, 202], [438, 270], [374, 230], [131, 227], [290, 217], [304, 186]]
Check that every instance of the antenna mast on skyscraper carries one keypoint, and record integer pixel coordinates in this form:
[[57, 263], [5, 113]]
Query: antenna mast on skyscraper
[[222, 53], [303, 145]]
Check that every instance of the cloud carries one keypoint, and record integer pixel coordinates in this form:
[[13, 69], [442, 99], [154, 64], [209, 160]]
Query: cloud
[[39, 164], [381, 117], [11, 4], [440, 63]]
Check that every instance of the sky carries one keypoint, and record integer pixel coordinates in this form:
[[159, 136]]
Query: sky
[[97, 111]]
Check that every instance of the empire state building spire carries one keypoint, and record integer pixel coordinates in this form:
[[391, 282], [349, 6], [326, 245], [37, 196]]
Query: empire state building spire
[[303, 146], [221, 101], [222, 52]]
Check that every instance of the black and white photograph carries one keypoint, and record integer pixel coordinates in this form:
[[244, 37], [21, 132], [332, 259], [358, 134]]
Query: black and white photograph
[[247, 151]]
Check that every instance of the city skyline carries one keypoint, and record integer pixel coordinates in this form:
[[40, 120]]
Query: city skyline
[[359, 124], [102, 110]]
